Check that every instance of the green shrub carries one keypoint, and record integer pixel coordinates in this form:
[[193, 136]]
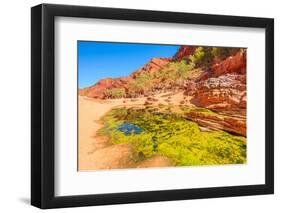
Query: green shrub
[[197, 57], [223, 52], [202, 57], [115, 93], [175, 72], [142, 83]]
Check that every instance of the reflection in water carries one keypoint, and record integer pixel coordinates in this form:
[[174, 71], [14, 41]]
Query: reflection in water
[[128, 129]]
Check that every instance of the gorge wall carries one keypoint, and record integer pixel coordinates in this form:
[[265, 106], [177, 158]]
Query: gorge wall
[[221, 86], [217, 83]]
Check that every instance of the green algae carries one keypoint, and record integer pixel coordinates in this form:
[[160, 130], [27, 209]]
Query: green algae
[[169, 134]]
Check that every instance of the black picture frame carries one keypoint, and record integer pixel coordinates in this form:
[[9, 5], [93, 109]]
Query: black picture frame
[[43, 111]]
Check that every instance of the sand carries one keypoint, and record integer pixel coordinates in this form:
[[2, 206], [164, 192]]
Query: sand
[[95, 152]]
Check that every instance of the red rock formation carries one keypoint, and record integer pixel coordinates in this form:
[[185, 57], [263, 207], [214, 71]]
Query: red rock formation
[[226, 92], [220, 88], [98, 90], [184, 52], [223, 87], [214, 121], [154, 65], [232, 64]]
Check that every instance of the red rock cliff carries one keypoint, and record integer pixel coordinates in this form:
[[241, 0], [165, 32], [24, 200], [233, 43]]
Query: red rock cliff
[[184, 52], [154, 65], [224, 88], [233, 64], [98, 90]]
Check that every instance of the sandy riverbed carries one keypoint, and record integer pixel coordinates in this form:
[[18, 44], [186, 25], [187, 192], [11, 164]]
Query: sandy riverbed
[[95, 152]]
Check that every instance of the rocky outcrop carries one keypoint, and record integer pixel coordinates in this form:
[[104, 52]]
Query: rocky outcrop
[[223, 87], [184, 52], [227, 92], [233, 64], [99, 89], [154, 65], [233, 124]]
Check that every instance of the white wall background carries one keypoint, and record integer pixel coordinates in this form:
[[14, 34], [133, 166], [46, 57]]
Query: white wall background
[[15, 105]]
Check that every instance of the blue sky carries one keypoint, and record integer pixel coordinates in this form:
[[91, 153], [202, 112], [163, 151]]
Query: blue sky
[[98, 60]]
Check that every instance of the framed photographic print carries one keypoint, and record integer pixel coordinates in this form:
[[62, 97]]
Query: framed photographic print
[[139, 106]]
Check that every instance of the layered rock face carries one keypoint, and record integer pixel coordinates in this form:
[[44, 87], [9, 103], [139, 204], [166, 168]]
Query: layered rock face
[[227, 92], [231, 123], [233, 64], [225, 88]]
